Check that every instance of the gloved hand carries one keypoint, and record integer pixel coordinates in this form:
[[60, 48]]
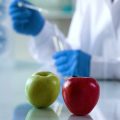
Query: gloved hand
[[72, 63], [26, 21]]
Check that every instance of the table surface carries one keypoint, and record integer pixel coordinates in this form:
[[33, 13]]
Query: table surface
[[14, 106]]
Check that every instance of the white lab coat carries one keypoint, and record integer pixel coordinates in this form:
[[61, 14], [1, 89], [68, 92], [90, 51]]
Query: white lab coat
[[95, 29]]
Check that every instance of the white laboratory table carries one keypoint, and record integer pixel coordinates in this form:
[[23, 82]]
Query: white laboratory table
[[14, 106]]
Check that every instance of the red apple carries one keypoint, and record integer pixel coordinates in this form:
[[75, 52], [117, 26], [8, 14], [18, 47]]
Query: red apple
[[81, 94]]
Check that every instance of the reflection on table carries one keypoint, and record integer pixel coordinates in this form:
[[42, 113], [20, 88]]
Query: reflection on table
[[13, 81], [72, 117], [27, 112]]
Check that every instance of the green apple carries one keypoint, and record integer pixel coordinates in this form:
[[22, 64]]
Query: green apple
[[41, 114], [42, 89]]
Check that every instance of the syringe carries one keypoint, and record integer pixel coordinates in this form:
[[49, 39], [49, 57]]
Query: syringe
[[29, 6], [51, 13]]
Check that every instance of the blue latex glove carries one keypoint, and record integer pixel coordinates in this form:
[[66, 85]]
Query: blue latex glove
[[26, 21], [72, 63]]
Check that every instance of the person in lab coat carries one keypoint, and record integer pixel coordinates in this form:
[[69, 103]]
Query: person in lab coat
[[92, 45]]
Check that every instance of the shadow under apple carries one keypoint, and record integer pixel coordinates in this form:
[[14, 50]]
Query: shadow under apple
[[21, 111], [73, 117]]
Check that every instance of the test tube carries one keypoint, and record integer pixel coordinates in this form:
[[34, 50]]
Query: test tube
[[56, 41]]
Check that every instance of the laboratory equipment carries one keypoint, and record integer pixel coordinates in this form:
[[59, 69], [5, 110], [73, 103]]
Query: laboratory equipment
[[46, 11], [29, 6], [57, 42], [3, 40], [61, 5], [66, 5], [2, 9]]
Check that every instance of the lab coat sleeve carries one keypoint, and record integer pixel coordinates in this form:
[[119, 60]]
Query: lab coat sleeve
[[103, 68], [42, 47]]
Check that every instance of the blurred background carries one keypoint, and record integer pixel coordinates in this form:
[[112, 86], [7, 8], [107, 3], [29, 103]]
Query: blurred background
[[14, 47], [14, 53]]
